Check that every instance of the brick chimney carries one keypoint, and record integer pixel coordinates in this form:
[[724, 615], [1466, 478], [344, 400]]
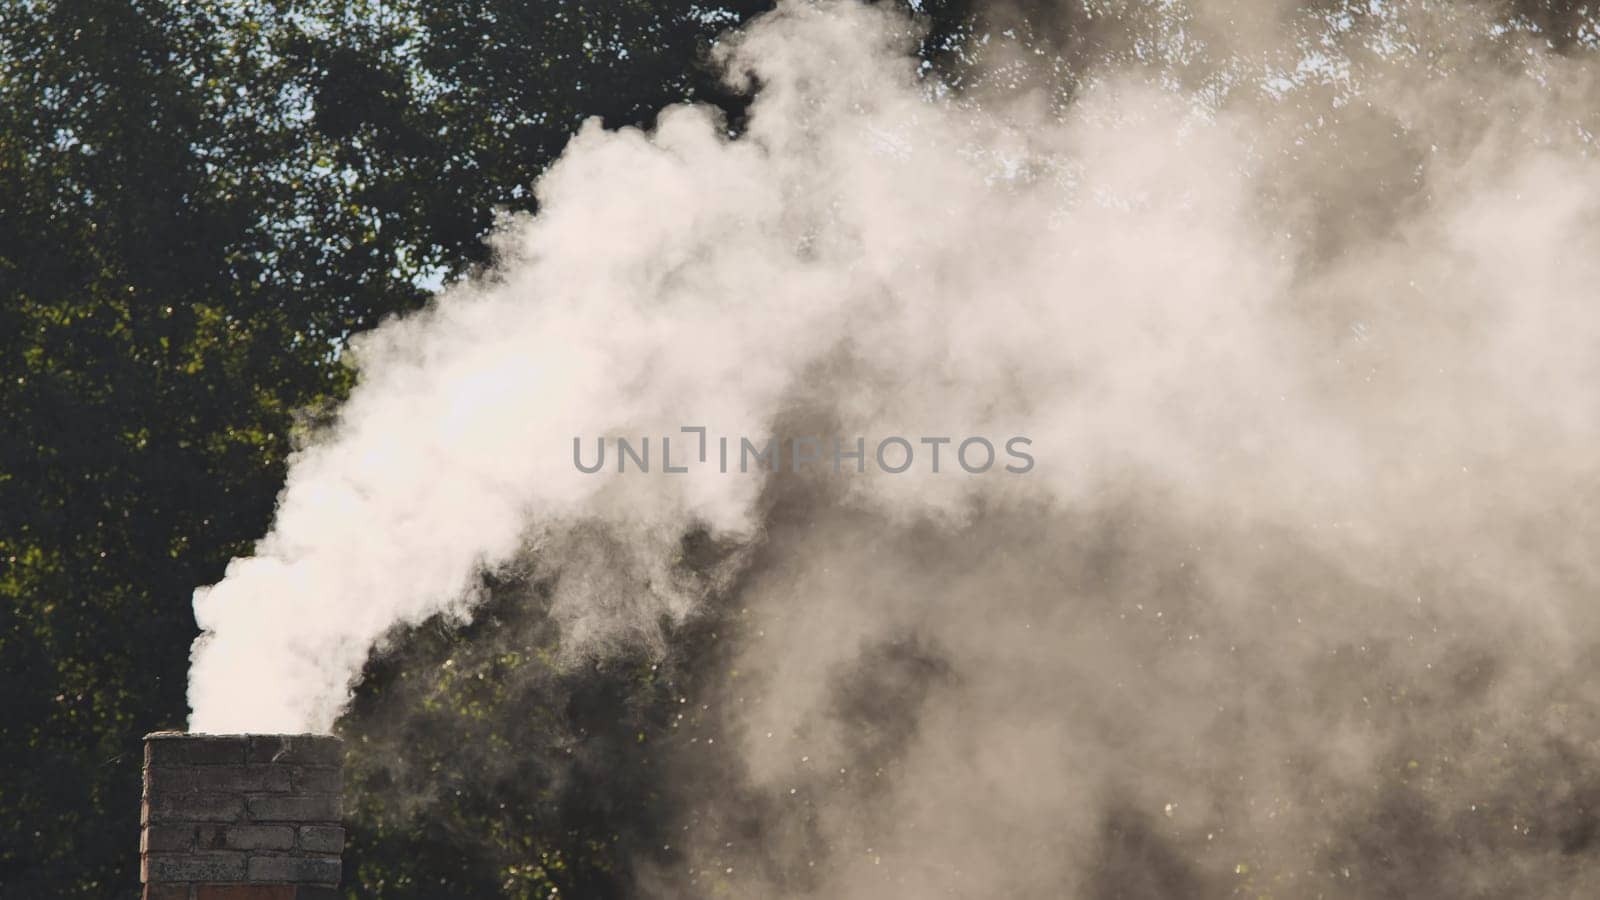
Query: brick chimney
[[241, 817]]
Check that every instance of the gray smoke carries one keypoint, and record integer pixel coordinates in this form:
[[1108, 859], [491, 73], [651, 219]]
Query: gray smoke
[[1296, 304]]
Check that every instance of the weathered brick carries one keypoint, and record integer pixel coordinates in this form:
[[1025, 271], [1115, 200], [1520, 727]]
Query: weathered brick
[[246, 837], [314, 869], [279, 808], [178, 749], [167, 892], [317, 779], [322, 838], [247, 892], [161, 838], [252, 817], [297, 749], [215, 866], [216, 779], [194, 808]]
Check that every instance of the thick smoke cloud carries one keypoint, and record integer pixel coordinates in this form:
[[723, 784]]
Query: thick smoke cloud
[[1297, 307]]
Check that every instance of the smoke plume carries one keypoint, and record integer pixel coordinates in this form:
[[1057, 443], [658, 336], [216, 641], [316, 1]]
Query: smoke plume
[[1296, 307]]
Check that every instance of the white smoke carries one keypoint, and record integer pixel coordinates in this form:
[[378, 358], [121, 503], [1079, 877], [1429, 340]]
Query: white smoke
[[1286, 293]]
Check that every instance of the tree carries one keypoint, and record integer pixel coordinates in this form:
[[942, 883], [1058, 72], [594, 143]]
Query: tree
[[160, 322], [200, 202]]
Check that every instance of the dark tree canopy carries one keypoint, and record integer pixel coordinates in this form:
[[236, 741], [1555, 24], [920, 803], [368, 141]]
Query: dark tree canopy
[[198, 203]]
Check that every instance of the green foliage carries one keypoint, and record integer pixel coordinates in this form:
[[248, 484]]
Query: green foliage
[[199, 201], [159, 321], [479, 768]]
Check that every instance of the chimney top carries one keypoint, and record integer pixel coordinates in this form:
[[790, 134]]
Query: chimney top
[[241, 816]]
